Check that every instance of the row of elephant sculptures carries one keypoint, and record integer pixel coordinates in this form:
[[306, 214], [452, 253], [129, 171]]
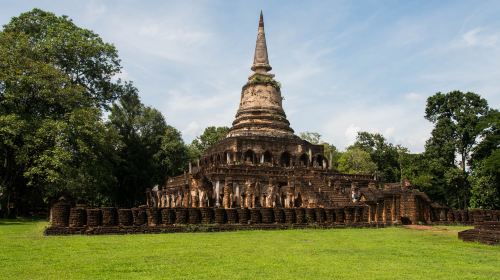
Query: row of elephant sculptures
[[250, 194]]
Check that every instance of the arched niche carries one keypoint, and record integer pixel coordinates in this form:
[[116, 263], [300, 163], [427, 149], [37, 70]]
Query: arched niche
[[318, 161], [304, 160], [249, 156], [267, 157], [285, 159]]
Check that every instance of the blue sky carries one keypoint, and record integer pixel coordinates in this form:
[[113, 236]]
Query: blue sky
[[344, 66]]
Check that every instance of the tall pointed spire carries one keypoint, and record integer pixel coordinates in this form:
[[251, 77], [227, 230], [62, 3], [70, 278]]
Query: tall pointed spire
[[260, 59], [261, 105]]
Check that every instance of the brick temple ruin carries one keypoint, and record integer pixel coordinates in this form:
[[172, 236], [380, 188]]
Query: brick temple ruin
[[261, 163], [261, 175]]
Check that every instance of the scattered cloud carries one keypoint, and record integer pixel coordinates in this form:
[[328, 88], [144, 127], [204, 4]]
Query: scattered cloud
[[192, 130], [480, 37], [392, 122], [345, 67], [413, 96], [94, 10]]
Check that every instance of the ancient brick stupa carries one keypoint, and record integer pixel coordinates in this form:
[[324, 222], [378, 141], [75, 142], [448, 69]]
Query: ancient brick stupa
[[260, 112], [261, 175], [263, 164]]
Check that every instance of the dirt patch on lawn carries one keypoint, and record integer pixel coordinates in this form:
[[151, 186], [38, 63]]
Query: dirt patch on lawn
[[421, 227], [437, 229]]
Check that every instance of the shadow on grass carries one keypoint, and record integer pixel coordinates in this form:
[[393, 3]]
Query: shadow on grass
[[20, 221]]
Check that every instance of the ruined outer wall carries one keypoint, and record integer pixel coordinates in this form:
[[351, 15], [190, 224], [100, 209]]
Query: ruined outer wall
[[110, 220]]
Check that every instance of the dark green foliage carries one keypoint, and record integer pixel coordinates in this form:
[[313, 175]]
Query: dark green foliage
[[54, 78], [210, 136], [485, 163], [414, 167], [383, 154], [457, 118], [77, 52], [56, 81], [356, 160], [150, 149]]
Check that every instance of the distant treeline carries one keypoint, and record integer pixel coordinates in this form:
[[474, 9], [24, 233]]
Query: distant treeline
[[69, 127]]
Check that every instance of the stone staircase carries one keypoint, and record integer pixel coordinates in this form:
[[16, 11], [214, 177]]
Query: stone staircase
[[326, 194]]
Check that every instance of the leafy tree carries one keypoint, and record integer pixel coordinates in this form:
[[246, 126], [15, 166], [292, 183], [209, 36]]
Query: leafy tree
[[150, 151], [457, 117], [79, 53], [211, 135], [173, 154], [355, 160], [54, 78], [383, 154], [485, 163], [414, 167]]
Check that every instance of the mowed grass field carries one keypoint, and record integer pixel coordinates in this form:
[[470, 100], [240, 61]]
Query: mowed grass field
[[388, 253]]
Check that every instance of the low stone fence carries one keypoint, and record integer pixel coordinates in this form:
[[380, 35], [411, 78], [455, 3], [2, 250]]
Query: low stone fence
[[473, 216], [487, 232], [110, 220]]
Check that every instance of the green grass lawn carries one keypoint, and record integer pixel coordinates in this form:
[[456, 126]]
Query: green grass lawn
[[396, 253]]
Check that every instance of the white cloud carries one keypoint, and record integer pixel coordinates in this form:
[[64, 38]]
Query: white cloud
[[413, 96], [351, 132], [389, 132], [398, 124], [479, 37], [94, 10], [192, 130]]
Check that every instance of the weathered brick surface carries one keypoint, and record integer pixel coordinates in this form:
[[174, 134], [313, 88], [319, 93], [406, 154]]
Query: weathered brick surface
[[255, 216], [232, 215], [289, 215], [320, 215], [139, 216], [194, 215], [220, 216], [60, 214], [279, 215], [487, 232], [181, 215], [125, 217], [300, 215], [152, 220], [243, 215], [77, 217], [109, 216], [168, 216], [267, 215]]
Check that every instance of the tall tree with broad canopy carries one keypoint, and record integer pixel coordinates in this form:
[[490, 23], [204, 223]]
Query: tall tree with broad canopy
[[150, 149], [485, 165], [457, 117], [55, 78]]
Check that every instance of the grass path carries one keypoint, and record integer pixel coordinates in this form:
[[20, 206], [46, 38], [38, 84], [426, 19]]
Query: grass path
[[389, 253]]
